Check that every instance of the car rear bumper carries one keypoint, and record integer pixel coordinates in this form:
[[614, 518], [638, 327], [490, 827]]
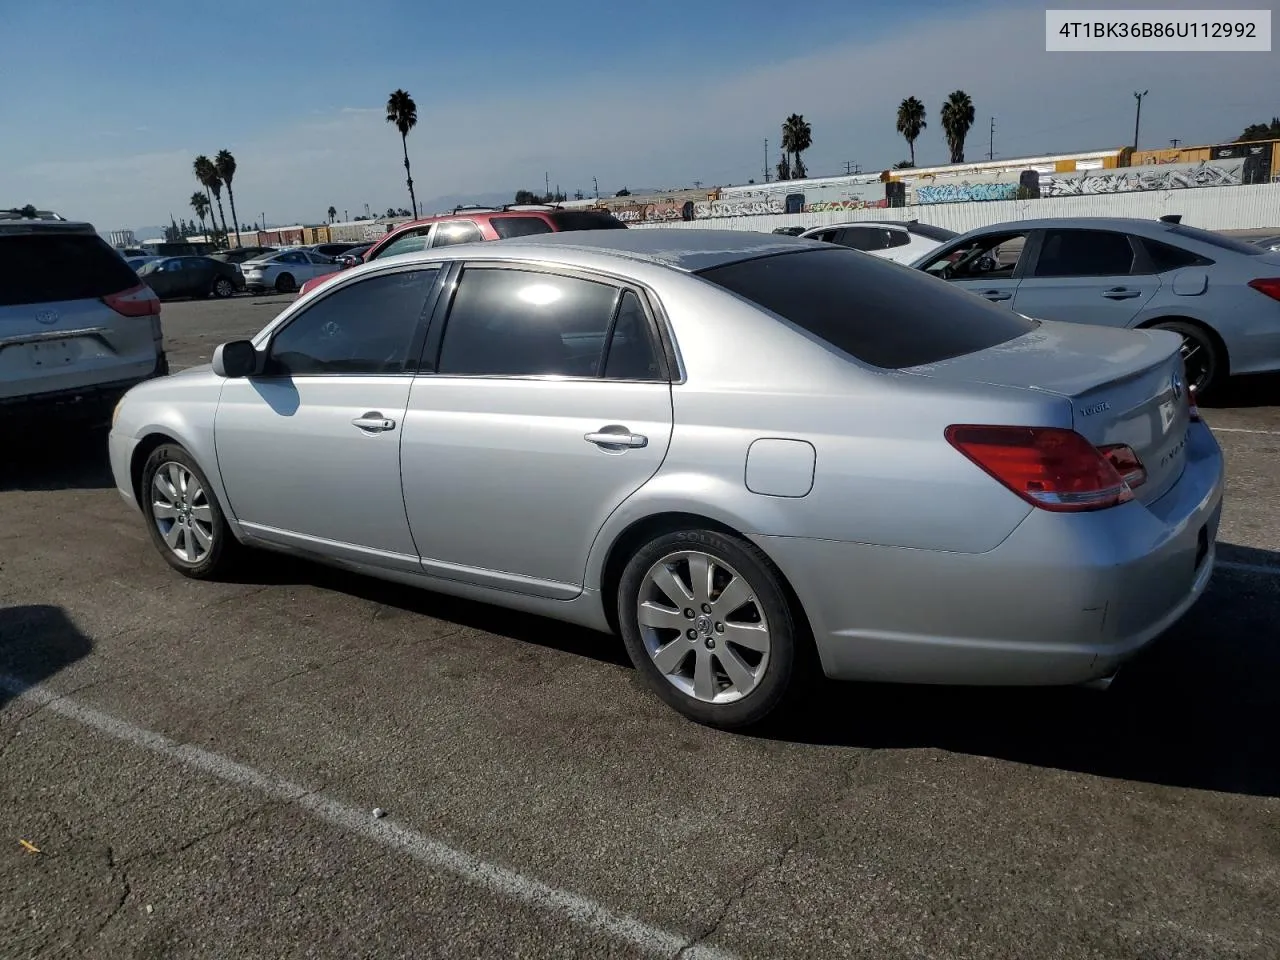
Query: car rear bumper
[[89, 401], [1065, 599]]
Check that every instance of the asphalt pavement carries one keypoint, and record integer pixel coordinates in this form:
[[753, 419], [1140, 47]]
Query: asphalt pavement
[[191, 769]]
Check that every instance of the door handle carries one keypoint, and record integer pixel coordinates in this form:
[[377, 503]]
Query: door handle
[[1121, 293], [373, 422], [997, 294], [609, 439]]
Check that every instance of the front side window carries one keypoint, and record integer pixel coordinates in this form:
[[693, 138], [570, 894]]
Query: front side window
[[456, 231], [294, 257], [411, 241], [1084, 253], [988, 257], [895, 238], [364, 328], [514, 323], [857, 238]]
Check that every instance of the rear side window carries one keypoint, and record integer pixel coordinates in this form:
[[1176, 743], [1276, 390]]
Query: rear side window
[[507, 227], [877, 311], [48, 267], [1164, 257], [895, 238], [585, 220], [456, 231], [1084, 253]]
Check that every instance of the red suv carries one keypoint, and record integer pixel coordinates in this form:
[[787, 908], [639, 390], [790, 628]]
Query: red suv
[[469, 225]]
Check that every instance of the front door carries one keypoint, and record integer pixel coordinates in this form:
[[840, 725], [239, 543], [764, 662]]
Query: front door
[[1085, 276], [549, 405], [309, 451], [989, 265]]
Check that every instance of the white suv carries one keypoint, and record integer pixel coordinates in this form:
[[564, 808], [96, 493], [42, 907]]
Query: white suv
[[77, 327], [904, 242]]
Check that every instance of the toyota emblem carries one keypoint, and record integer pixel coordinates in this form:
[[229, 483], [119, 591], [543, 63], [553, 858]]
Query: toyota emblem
[[47, 316], [1177, 385]]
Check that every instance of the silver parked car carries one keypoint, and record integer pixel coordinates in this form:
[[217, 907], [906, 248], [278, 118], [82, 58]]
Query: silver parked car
[[285, 270], [731, 448], [77, 327], [1221, 295]]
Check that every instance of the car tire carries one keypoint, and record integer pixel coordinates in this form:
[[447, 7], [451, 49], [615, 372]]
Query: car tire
[[183, 516], [223, 288], [1205, 363], [285, 283], [681, 645]]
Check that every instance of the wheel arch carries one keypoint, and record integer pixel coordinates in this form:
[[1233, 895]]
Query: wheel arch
[[644, 529], [138, 459], [1219, 343]]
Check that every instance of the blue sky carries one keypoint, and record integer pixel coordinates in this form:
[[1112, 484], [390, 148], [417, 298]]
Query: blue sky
[[113, 100]]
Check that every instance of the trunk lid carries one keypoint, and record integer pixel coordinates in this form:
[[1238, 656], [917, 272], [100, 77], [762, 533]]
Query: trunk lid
[[1124, 386]]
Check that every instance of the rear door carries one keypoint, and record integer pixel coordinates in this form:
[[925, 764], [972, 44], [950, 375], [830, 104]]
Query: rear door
[[544, 404], [56, 330], [1085, 276]]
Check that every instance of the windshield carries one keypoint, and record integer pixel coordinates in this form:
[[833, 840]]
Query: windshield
[[880, 312], [50, 267]]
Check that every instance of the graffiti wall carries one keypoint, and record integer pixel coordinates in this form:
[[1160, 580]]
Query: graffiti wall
[[1157, 176], [964, 191]]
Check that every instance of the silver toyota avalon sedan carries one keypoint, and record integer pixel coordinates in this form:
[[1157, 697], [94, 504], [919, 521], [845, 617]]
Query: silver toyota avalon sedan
[[744, 453]]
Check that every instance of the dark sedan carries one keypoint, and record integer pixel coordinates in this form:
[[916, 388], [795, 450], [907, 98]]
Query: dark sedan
[[173, 277], [353, 256]]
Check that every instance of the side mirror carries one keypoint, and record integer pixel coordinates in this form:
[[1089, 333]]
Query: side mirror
[[238, 358]]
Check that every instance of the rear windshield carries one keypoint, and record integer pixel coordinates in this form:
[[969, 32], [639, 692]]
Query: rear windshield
[[508, 227], [48, 267], [940, 234], [585, 220], [880, 312], [1217, 240]]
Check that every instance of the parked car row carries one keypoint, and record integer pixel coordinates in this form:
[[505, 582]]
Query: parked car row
[[748, 456]]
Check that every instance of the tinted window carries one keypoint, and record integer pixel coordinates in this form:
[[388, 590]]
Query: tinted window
[[585, 220], [880, 312], [292, 258], [1084, 253], [631, 353], [986, 257], [363, 328], [513, 323], [933, 233], [859, 238], [1164, 257], [456, 231], [45, 268], [1216, 239], [895, 238], [507, 227], [411, 241]]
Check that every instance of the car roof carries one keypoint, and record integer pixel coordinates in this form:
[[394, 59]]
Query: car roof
[[900, 224], [687, 250], [1131, 224]]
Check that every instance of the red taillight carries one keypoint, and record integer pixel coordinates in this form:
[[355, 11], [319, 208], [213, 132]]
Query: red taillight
[[1268, 285], [1126, 463], [1049, 467], [139, 301]]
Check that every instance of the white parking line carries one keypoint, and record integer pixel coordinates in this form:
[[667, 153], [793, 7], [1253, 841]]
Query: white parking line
[[1248, 567], [499, 880], [1269, 433]]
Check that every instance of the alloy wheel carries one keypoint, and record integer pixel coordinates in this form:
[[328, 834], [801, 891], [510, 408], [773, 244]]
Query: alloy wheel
[[703, 626], [181, 511]]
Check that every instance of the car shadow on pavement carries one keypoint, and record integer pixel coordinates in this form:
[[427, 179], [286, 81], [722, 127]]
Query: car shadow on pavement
[[1197, 709], [71, 459], [36, 642], [261, 567], [1256, 390]]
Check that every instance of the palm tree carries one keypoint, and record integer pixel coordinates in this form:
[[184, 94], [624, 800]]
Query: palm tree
[[797, 137], [333, 213], [207, 174], [910, 122], [957, 118], [784, 167], [403, 112], [225, 164], [200, 204]]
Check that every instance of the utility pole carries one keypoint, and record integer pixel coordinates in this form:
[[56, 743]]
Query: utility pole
[[548, 176], [766, 161], [991, 144], [1138, 119], [1174, 143], [848, 167], [597, 186], [697, 184]]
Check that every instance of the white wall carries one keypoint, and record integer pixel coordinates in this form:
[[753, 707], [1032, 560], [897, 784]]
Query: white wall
[[1213, 208]]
